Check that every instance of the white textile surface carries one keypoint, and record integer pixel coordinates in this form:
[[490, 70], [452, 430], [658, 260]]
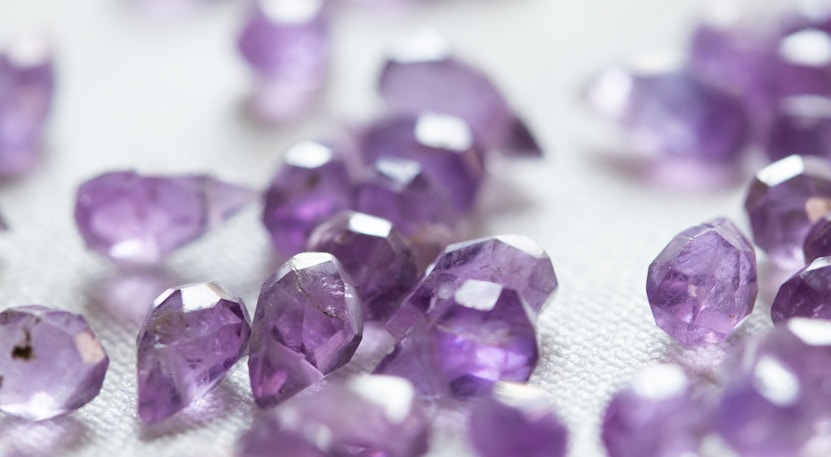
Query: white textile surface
[[165, 94]]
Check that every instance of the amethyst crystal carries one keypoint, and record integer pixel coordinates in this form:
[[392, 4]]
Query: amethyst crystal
[[818, 240], [308, 322], [51, 363], [190, 340], [517, 421], [311, 186], [375, 256], [141, 219], [514, 261], [703, 284], [806, 294], [656, 415], [784, 200], [801, 125]]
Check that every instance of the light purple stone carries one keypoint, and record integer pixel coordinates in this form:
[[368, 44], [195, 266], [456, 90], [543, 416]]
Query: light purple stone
[[189, 342], [818, 240], [805, 294], [671, 113], [141, 219], [309, 321], [801, 125], [514, 261], [286, 42], [26, 88], [517, 421], [442, 144], [51, 363], [374, 254], [482, 334], [269, 438], [703, 283], [656, 415], [311, 186], [803, 62], [785, 199]]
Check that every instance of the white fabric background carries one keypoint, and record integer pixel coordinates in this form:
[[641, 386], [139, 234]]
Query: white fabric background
[[165, 94]]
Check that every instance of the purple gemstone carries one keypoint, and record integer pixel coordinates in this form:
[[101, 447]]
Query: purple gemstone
[[514, 261], [311, 186], [287, 44], [374, 254], [484, 333], [517, 421], [442, 144], [26, 89], [672, 114], [190, 340], [269, 438], [805, 294], [141, 219], [802, 125], [703, 284], [51, 363], [308, 322], [784, 200], [803, 62], [656, 415], [818, 240]]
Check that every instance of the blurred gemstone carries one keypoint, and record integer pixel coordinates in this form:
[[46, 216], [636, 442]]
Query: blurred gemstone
[[802, 126], [442, 144], [514, 261], [818, 240], [517, 421], [671, 113], [703, 283], [27, 84], [655, 415], [311, 185], [374, 254], [268, 438], [785, 199], [51, 363], [805, 294], [804, 62], [142, 219], [308, 322], [189, 342]]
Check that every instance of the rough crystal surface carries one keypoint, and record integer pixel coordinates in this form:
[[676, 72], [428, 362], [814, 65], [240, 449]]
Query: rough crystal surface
[[784, 200], [517, 421], [141, 219], [374, 254], [308, 322], [656, 415], [805, 294], [800, 125], [311, 186], [514, 261], [190, 340], [703, 284], [51, 363]]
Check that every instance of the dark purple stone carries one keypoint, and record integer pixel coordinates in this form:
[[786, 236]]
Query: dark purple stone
[[805, 294], [818, 240], [801, 125]]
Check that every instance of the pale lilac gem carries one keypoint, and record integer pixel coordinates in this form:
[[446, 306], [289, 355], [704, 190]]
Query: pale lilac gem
[[189, 342], [26, 92], [703, 283], [804, 62], [805, 294], [269, 438], [785, 199], [51, 363], [517, 420], [818, 240], [374, 254], [142, 219], [656, 415], [309, 321], [801, 125], [311, 186], [514, 261]]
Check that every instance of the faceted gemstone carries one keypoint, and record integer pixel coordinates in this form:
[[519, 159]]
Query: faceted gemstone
[[655, 415], [141, 219], [482, 334], [442, 144], [514, 261], [308, 322], [286, 42], [784, 200], [375, 416], [671, 113], [51, 363], [26, 87], [517, 421], [802, 125], [703, 284], [189, 342], [311, 186], [818, 240], [805, 294], [374, 254]]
